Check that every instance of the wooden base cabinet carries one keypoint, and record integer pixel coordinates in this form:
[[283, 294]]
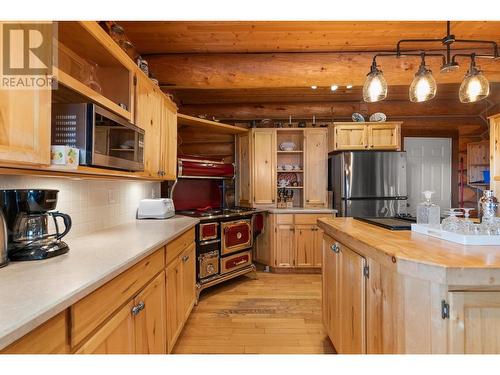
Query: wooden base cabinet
[[140, 311], [344, 298], [180, 293], [290, 241], [370, 306]]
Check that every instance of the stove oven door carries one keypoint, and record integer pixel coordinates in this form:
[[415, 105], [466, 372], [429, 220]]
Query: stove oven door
[[236, 235]]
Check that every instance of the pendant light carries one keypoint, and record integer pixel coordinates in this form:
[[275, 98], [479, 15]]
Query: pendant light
[[423, 87], [375, 87], [475, 86]]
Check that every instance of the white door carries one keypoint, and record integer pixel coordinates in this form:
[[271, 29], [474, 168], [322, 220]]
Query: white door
[[428, 168]]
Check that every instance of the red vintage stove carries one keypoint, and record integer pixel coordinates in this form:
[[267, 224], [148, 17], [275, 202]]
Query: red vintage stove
[[224, 236]]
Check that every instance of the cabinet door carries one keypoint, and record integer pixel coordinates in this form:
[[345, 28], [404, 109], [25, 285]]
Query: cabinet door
[[117, 336], [352, 302], [285, 246], [149, 117], [188, 264], [305, 242], [384, 137], [262, 250], [316, 168], [495, 153], [331, 291], [474, 323], [25, 126], [245, 170], [318, 247], [351, 137], [168, 144], [173, 300], [150, 330], [264, 167]]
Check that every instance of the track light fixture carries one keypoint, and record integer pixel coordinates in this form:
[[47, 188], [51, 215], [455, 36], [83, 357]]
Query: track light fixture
[[474, 87]]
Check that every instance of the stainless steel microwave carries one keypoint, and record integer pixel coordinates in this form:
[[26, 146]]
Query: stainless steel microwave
[[105, 140]]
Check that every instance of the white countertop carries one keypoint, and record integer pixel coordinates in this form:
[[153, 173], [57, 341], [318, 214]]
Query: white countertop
[[301, 210], [33, 292]]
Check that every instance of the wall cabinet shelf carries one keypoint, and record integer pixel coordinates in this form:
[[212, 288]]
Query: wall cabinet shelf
[[351, 136], [259, 154]]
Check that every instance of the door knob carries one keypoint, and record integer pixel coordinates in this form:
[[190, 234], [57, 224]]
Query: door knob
[[336, 248]]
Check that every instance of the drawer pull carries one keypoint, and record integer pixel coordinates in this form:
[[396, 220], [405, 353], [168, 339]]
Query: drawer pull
[[138, 308], [336, 248]]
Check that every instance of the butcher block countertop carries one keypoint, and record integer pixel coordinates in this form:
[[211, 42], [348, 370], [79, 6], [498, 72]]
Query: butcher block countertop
[[33, 292], [417, 254]]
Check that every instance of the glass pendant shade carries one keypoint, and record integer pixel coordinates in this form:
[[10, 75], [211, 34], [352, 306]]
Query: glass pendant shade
[[424, 86], [474, 87], [375, 87]]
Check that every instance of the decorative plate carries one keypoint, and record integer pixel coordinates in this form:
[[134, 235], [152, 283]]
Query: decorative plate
[[287, 146], [287, 179], [378, 117], [357, 117]]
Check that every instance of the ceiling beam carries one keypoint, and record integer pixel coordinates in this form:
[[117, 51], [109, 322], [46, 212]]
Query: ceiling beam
[[247, 111], [295, 70]]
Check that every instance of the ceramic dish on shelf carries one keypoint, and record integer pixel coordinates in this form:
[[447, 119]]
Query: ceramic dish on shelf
[[378, 117], [357, 117], [287, 179], [296, 167], [287, 167], [287, 146]]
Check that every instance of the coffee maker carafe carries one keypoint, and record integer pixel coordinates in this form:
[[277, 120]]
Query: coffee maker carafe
[[28, 213]]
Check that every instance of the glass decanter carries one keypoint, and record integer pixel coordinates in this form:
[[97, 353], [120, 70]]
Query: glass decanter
[[428, 212]]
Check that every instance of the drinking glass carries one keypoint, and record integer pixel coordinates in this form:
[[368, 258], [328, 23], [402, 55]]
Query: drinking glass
[[452, 223]]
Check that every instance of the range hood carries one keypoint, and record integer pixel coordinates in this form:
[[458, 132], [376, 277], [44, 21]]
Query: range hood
[[199, 167]]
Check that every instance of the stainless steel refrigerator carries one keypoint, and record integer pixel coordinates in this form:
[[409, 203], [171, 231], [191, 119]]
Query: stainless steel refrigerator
[[368, 183]]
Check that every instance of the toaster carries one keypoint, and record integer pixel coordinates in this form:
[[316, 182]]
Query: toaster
[[161, 208]]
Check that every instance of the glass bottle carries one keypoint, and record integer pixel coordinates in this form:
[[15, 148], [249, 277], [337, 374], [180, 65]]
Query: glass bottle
[[428, 212], [487, 205]]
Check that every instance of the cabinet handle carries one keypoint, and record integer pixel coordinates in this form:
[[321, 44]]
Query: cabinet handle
[[138, 308], [185, 258], [336, 248]]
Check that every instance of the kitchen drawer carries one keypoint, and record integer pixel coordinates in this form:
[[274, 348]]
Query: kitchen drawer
[[309, 218], [284, 219], [88, 313], [49, 338], [177, 246]]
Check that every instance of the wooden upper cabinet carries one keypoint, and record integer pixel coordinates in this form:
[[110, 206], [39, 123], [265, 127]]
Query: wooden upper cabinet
[[474, 323], [348, 136], [148, 116], [150, 322], [264, 167], [385, 136], [495, 153], [25, 126], [168, 142], [315, 167], [245, 170]]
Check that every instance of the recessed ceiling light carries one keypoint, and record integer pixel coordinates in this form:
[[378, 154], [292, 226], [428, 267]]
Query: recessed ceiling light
[[348, 87], [334, 87], [314, 87]]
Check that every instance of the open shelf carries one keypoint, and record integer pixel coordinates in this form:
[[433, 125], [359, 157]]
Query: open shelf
[[90, 63], [292, 171], [290, 152], [291, 187], [209, 125]]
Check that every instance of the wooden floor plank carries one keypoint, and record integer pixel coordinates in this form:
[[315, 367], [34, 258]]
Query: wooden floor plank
[[275, 314]]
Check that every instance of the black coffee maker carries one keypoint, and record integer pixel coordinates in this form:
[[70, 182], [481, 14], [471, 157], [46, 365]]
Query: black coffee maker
[[27, 213]]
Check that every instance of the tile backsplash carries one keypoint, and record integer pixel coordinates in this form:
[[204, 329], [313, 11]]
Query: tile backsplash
[[92, 204]]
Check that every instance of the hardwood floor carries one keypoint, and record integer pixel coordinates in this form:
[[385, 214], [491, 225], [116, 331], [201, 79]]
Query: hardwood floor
[[276, 314]]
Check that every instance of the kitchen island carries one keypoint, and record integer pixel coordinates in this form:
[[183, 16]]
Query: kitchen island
[[402, 292]]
